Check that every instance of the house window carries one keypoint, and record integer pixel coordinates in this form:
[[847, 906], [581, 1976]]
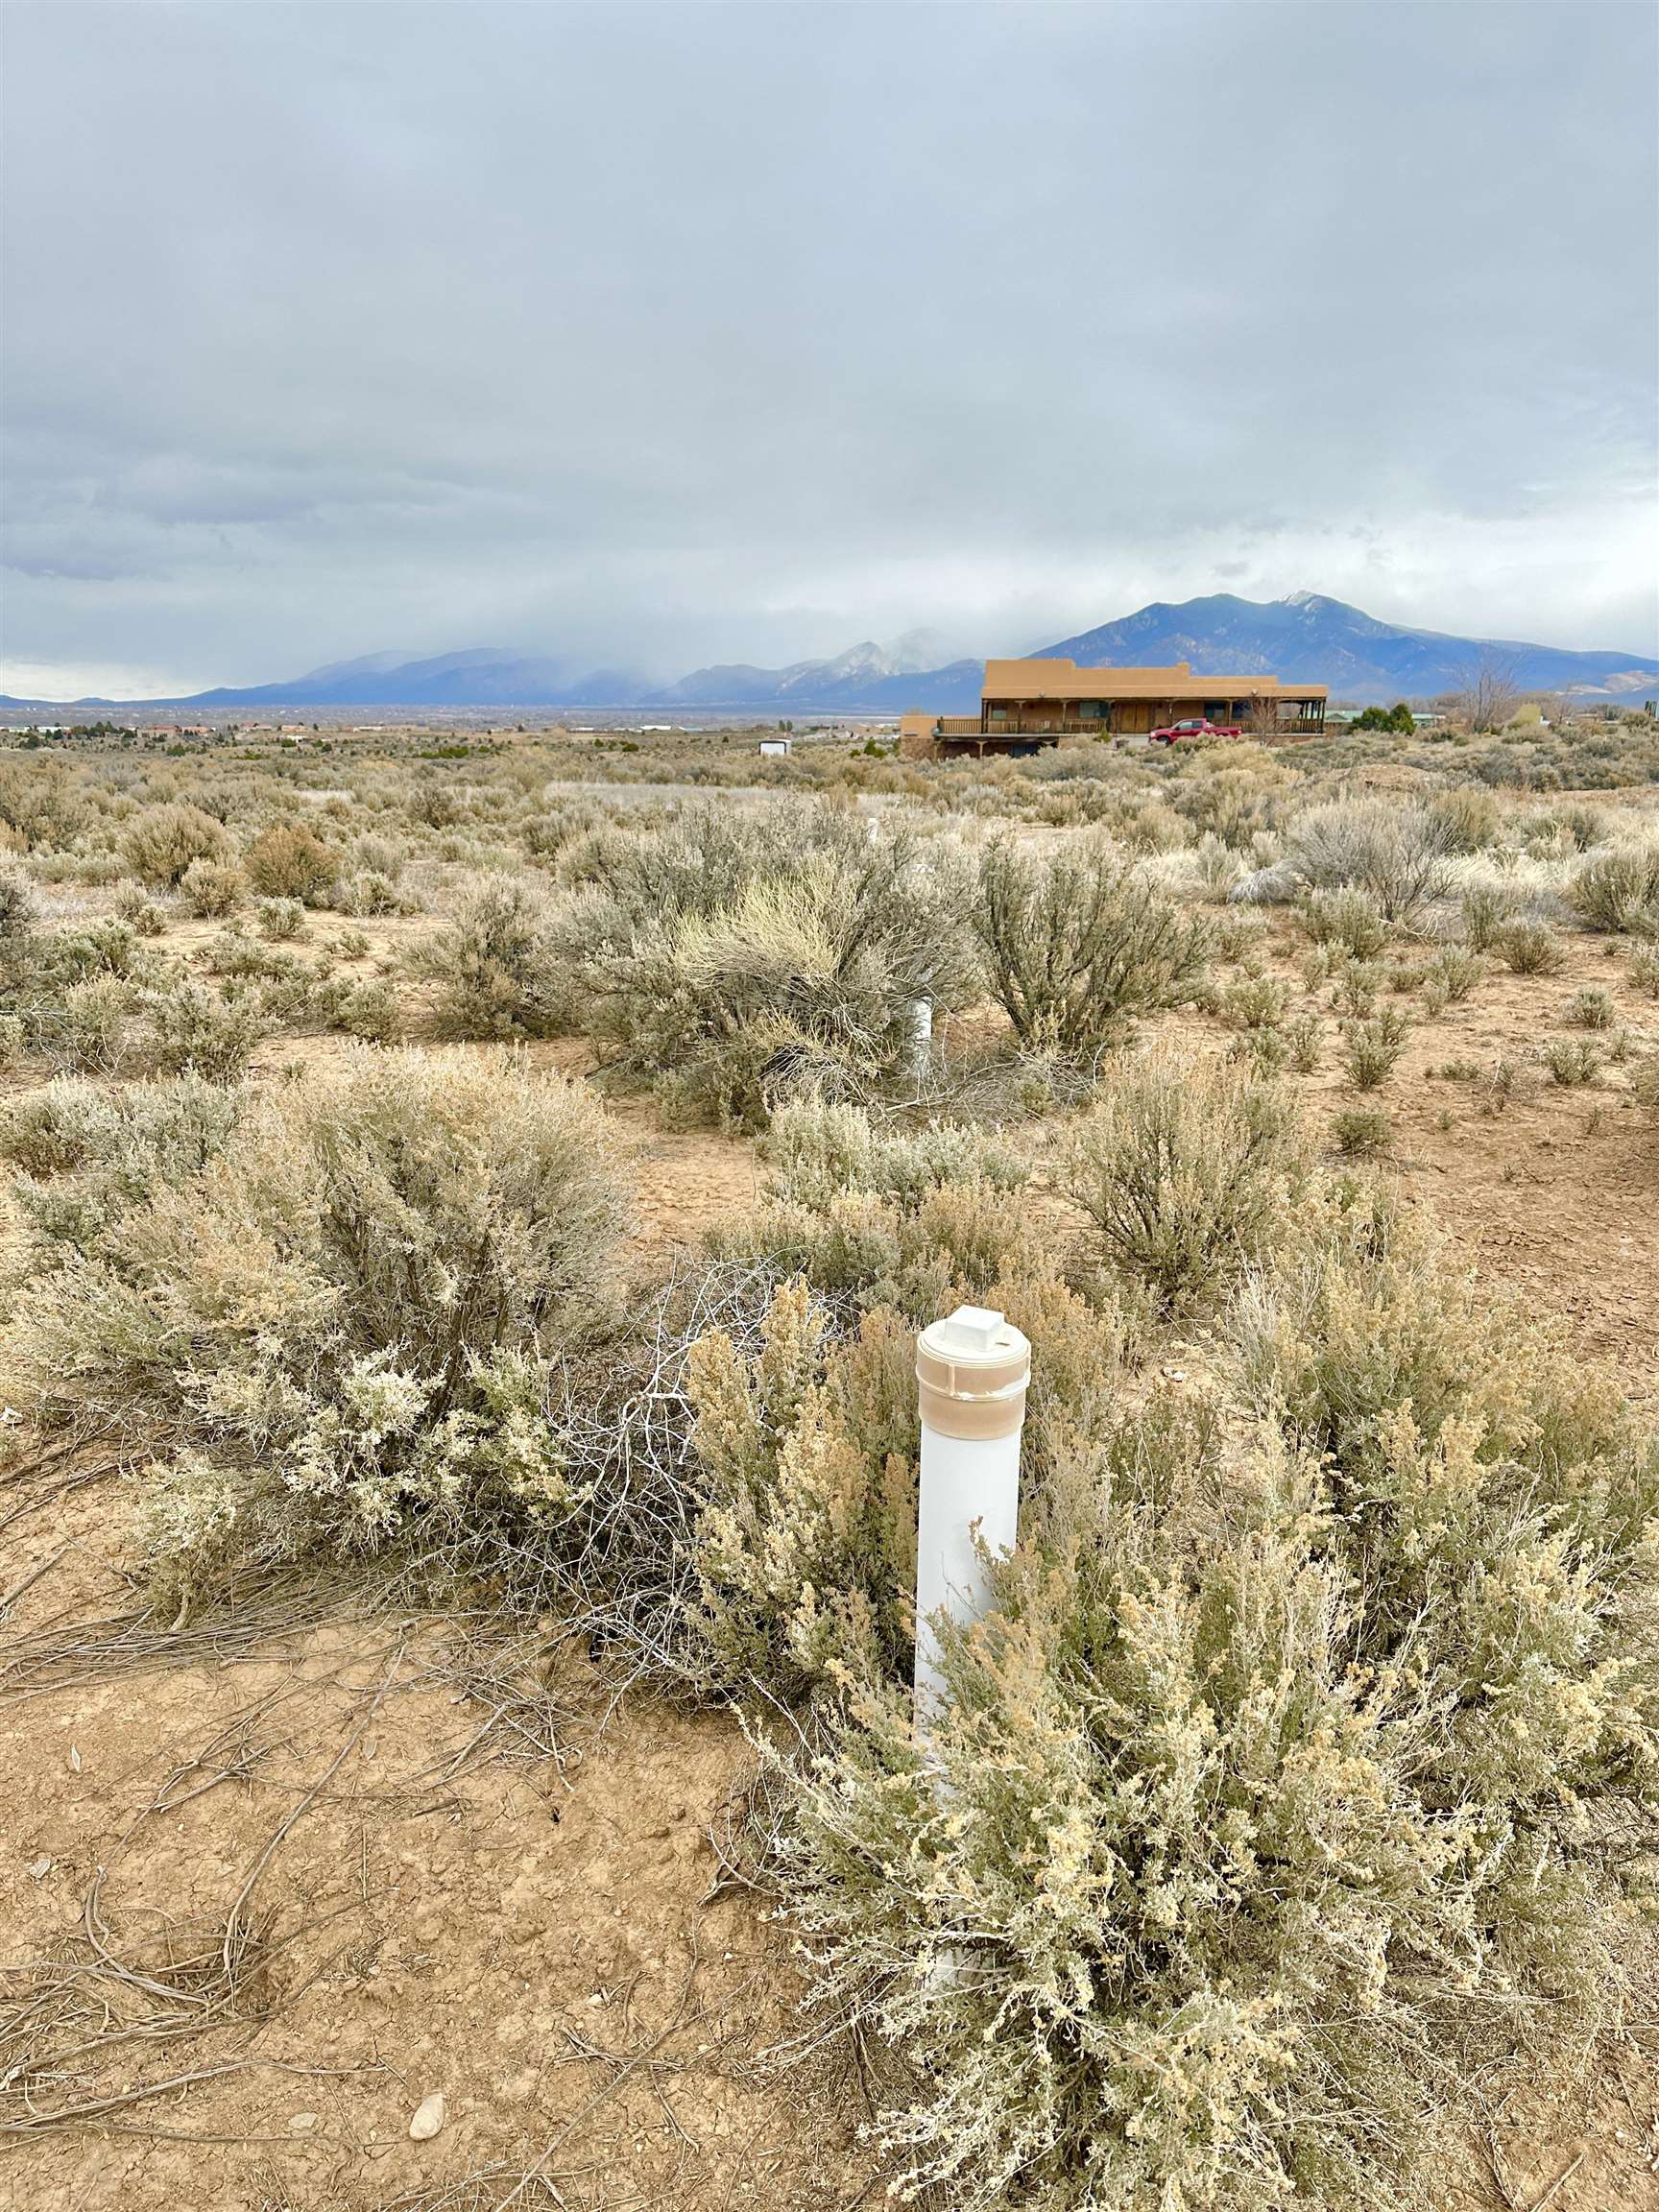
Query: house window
[[1214, 710]]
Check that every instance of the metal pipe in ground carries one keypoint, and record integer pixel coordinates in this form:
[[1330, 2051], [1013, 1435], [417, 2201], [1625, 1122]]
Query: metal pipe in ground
[[971, 1372]]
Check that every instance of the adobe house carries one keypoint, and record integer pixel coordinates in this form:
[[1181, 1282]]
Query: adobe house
[[1025, 703]]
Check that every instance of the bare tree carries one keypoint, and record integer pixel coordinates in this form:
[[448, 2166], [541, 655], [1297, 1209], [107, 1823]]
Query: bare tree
[[1261, 718], [1488, 695]]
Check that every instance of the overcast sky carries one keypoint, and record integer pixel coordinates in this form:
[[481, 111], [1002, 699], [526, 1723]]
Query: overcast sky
[[671, 334]]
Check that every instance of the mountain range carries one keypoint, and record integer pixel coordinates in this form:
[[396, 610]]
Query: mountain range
[[1304, 637]]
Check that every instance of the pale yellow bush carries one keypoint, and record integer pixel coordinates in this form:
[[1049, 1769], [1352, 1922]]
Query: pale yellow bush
[[1280, 1796], [499, 972], [351, 1312], [736, 963], [161, 843], [212, 888], [806, 1539]]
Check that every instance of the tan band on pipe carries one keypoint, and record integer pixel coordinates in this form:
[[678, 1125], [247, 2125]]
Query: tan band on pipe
[[975, 1419]]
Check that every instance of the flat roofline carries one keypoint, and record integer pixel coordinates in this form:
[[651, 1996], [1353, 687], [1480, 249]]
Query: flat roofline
[[1058, 678]]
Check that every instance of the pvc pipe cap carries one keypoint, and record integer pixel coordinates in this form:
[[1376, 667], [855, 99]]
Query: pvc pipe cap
[[972, 1368]]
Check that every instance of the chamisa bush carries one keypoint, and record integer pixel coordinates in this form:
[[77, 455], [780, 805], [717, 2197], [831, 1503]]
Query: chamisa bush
[[920, 1219], [805, 1529], [804, 1442], [1285, 1790], [17, 911], [736, 961], [161, 842], [345, 1320], [1494, 1500], [1373, 1045], [82, 1153], [1529, 948], [1487, 909], [1186, 1172], [1076, 944], [212, 888], [1348, 918], [1618, 889]]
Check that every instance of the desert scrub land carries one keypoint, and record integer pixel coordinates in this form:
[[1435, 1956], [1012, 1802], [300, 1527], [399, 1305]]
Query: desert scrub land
[[466, 1213]]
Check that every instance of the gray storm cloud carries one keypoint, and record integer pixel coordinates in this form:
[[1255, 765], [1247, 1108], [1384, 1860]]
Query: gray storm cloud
[[692, 332]]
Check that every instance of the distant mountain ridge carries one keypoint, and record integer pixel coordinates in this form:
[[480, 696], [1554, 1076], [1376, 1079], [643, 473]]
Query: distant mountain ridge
[[1305, 637], [1314, 640]]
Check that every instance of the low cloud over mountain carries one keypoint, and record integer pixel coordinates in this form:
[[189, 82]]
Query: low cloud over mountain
[[1304, 637]]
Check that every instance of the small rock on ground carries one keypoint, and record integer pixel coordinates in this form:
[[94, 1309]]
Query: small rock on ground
[[430, 2115]]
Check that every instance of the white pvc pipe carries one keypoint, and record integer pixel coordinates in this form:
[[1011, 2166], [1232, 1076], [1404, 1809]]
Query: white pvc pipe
[[973, 1370], [921, 1035]]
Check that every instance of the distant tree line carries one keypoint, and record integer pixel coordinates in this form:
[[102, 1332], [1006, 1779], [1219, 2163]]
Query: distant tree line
[[1397, 717]]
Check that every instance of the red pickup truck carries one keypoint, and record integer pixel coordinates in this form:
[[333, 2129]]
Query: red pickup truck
[[1197, 727]]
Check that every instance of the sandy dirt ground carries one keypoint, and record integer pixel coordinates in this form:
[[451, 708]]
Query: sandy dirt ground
[[322, 1869], [325, 1871]]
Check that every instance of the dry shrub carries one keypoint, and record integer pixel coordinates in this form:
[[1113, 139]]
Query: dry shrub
[[212, 888], [287, 860], [921, 1219], [1572, 1061], [806, 1542], [1494, 1498], [1618, 890], [372, 892], [17, 914], [1348, 918], [497, 967], [1280, 1796], [1230, 792], [278, 920], [184, 1028], [139, 910], [1487, 909], [736, 963], [94, 998], [1591, 1008], [69, 993], [1471, 815], [1185, 1171], [1529, 947], [1455, 971], [1361, 1132], [43, 807], [161, 843], [817, 1151], [1396, 852], [1130, 1909], [367, 1007], [1372, 1047], [347, 1319], [805, 1437], [82, 1153], [1077, 945], [1255, 1002]]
